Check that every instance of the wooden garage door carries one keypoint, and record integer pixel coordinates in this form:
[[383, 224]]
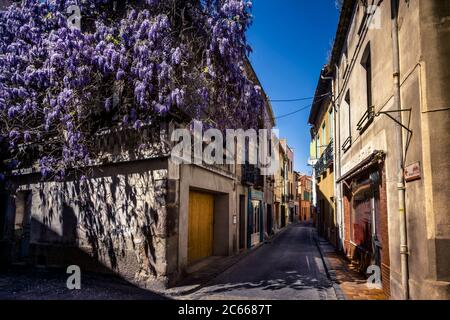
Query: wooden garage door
[[201, 210]]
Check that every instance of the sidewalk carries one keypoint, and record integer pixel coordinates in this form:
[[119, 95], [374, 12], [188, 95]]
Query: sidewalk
[[348, 282]]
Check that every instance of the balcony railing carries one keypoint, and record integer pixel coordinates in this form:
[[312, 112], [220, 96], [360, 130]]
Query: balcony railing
[[325, 161], [366, 119], [347, 144]]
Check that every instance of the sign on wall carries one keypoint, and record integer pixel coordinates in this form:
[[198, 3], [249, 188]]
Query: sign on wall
[[413, 172]]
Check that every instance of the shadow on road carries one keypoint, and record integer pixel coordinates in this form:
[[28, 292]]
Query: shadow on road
[[291, 264]]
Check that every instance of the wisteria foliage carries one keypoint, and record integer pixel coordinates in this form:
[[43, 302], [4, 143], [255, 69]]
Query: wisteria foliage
[[133, 63]]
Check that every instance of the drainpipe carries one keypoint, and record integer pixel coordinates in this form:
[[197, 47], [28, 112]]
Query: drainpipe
[[337, 160], [399, 149]]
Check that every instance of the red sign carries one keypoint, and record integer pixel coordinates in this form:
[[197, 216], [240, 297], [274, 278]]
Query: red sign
[[412, 172]]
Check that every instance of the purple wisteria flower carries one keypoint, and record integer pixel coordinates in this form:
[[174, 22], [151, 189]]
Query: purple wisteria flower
[[160, 56]]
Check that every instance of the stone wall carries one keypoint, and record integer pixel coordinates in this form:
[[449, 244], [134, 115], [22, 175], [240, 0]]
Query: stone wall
[[113, 222]]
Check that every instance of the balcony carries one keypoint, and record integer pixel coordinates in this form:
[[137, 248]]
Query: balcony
[[325, 161], [366, 119]]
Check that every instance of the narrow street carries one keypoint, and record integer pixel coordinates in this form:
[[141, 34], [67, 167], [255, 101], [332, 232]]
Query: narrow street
[[290, 267]]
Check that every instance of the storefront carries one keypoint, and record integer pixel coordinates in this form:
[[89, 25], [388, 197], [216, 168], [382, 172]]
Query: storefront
[[366, 240]]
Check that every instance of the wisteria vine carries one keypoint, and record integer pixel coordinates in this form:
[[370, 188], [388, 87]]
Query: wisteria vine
[[133, 63]]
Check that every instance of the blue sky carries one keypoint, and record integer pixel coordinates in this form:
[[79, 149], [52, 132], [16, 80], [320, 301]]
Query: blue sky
[[290, 41]]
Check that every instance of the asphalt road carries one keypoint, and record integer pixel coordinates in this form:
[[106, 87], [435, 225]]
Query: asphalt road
[[48, 284], [288, 268]]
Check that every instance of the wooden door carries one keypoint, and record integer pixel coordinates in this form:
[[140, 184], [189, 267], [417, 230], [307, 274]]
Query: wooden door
[[200, 239]]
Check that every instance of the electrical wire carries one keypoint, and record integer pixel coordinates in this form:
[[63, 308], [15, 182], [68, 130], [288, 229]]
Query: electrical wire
[[302, 108], [297, 99], [294, 112]]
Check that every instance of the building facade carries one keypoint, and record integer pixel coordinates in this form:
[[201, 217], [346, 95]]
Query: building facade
[[391, 87], [138, 215], [285, 186], [322, 156], [304, 196], [288, 185]]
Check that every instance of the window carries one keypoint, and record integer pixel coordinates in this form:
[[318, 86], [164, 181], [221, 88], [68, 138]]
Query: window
[[351, 32], [367, 65], [348, 102], [345, 61], [368, 115], [364, 16], [306, 195], [346, 124], [331, 123], [324, 136], [318, 144]]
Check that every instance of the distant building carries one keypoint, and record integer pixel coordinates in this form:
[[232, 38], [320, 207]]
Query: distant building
[[304, 197], [284, 200], [290, 192], [280, 191]]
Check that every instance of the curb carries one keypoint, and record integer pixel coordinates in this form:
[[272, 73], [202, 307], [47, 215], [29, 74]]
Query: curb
[[331, 274]]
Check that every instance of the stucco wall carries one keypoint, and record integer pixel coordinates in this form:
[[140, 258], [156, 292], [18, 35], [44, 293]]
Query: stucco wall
[[113, 222], [422, 47]]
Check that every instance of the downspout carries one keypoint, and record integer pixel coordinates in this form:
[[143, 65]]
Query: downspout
[[337, 152], [399, 149], [335, 165]]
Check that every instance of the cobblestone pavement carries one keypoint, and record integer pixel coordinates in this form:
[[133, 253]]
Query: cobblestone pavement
[[350, 283], [43, 284]]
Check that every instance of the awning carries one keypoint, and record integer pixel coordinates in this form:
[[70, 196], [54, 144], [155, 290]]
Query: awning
[[373, 158]]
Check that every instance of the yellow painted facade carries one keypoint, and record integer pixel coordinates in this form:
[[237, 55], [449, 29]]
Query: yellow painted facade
[[320, 143]]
